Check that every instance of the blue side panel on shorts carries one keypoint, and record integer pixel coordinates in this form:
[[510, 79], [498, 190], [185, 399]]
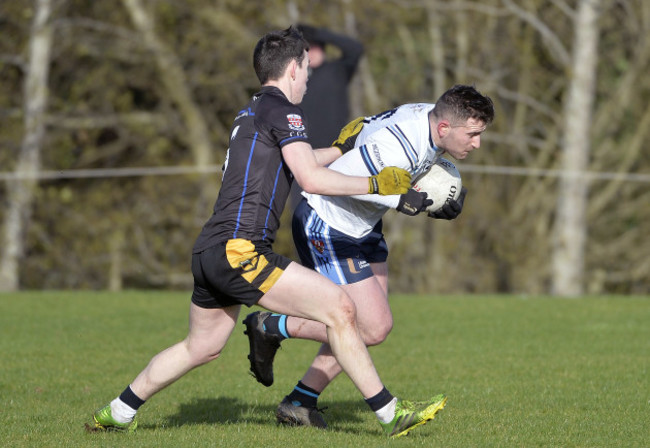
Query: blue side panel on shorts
[[322, 252], [337, 256]]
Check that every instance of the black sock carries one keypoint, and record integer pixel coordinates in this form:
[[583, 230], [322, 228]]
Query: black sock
[[302, 395], [130, 398], [277, 324], [380, 400]]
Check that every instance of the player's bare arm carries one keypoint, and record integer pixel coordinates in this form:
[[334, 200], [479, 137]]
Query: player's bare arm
[[317, 179], [325, 156]]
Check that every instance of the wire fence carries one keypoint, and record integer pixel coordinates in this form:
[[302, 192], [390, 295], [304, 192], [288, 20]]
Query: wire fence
[[182, 170]]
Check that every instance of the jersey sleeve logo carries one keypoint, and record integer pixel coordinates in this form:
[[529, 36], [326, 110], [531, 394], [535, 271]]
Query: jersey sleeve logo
[[295, 122]]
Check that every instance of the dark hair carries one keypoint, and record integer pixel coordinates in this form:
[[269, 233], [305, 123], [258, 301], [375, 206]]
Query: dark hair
[[461, 103], [275, 50]]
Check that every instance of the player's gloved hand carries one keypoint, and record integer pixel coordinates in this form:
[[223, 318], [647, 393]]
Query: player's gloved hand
[[390, 180], [452, 208], [348, 135], [413, 202]]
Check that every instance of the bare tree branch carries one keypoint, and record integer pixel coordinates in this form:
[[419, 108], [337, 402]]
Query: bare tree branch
[[550, 38]]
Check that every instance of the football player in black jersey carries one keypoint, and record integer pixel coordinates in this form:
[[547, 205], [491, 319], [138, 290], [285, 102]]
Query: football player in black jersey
[[233, 263]]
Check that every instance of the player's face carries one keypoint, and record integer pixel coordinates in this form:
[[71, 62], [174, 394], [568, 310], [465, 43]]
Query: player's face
[[460, 140]]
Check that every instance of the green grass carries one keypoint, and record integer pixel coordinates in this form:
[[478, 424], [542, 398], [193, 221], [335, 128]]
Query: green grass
[[519, 372]]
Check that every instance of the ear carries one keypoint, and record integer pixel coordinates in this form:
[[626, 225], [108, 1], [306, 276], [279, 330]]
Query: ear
[[293, 65], [443, 127]]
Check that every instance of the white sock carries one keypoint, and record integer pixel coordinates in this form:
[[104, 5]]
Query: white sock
[[387, 413], [122, 412]]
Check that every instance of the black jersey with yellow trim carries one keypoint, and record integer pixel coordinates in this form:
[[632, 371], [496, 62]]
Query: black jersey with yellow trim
[[256, 181]]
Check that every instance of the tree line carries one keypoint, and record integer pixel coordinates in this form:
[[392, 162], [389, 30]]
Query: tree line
[[100, 101]]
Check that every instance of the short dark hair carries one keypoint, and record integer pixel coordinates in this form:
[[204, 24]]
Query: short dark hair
[[461, 102], [275, 50]]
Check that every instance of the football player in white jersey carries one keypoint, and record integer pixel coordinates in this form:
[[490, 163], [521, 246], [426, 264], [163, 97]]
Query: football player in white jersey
[[341, 236]]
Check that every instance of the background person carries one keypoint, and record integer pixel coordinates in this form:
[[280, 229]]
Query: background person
[[326, 103]]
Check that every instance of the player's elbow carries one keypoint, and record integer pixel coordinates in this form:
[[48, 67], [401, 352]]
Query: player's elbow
[[310, 184]]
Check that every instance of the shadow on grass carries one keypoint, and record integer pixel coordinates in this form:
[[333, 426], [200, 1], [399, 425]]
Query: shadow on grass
[[228, 410]]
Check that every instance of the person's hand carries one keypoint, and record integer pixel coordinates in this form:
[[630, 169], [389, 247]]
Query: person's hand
[[452, 208], [348, 135], [390, 180], [413, 202]]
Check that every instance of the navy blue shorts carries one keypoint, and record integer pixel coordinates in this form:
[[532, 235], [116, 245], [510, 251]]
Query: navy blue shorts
[[339, 257], [235, 272]]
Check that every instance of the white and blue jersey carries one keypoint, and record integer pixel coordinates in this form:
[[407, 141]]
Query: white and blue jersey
[[341, 236], [399, 137]]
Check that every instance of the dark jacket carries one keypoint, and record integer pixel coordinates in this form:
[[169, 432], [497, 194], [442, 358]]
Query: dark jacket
[[326, 103]]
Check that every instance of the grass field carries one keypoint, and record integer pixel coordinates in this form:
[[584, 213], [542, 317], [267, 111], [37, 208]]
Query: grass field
[[519, 372]]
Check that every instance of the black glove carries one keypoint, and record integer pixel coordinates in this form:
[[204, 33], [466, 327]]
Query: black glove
[[452, 208], [413, 202]]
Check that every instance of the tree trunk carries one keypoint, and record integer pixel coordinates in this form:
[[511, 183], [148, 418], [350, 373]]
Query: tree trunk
[[20, 190], [116, 250], [570, 233], [437, 51], [356, 86], [174, 79]]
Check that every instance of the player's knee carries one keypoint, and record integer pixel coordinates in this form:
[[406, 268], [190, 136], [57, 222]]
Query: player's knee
[[378, 332], [202, 353], [210, 355], [205, 357]]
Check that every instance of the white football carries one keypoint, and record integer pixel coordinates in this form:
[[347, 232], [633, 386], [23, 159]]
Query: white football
[[441, 183]]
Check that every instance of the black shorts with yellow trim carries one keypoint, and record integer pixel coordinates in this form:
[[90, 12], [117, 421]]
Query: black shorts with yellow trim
[[235, 272]]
